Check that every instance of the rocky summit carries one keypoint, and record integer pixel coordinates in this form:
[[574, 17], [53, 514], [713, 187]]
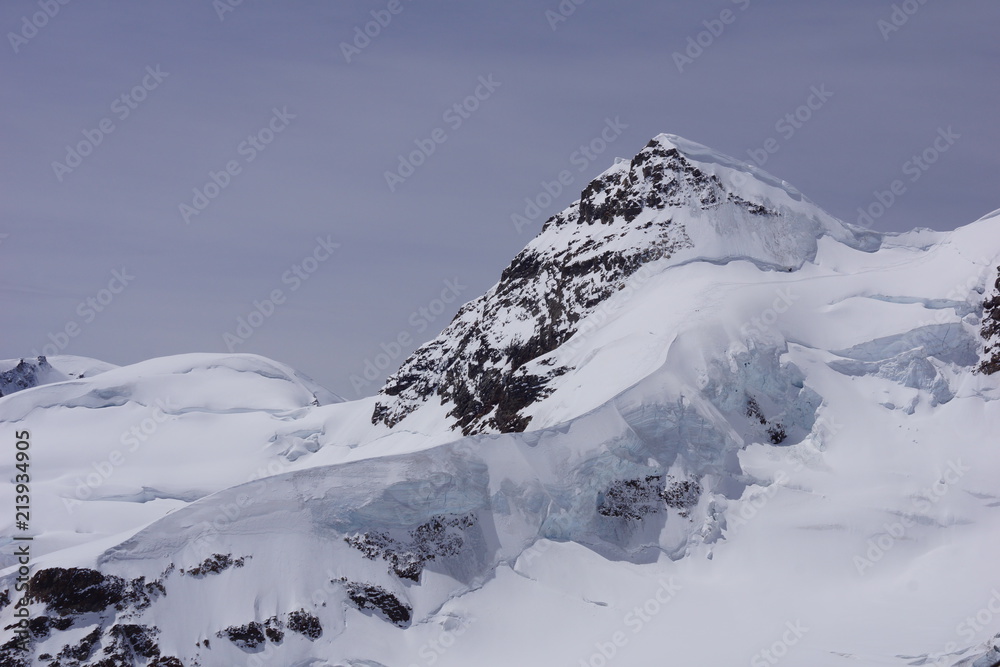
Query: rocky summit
[[697, 420]]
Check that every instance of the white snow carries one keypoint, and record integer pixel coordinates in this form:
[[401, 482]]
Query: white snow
[[867, 537]]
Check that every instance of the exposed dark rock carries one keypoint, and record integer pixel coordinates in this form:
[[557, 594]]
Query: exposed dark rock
[[991, 331], [40, 627], [152, 590], [632, 498], [305, 623], [438, 537], [215, 564], [23, 376], [635, 498], [249, 637], [753, 410], [775, 432], [82, 651], [682, 495], [273, 629], [486, 366], [370, 596], [166, 662], [76, 590], [79, 591], [14, 652], [252, 636], [130, 642]]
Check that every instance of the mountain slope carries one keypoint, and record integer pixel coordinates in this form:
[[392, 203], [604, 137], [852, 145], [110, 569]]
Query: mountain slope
[[674, 202], [773, 442]]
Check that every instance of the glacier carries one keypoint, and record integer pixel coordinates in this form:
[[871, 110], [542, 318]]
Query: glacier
[[697, 420]]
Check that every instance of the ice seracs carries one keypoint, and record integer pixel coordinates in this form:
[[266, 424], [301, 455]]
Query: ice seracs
[[695, 412]]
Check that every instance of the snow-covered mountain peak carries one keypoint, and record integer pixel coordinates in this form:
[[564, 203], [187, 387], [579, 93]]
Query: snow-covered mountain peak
[[674, 203], [705, 156], [20, 374], [712, 397], [671, 172]]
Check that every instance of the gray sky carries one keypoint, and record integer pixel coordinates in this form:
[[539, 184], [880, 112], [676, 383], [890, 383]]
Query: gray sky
[[199, 82]]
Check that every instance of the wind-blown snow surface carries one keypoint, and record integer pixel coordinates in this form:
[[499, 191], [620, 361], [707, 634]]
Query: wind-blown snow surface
[[752, 454]]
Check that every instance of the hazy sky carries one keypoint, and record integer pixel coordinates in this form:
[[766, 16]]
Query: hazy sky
[[217, 154]]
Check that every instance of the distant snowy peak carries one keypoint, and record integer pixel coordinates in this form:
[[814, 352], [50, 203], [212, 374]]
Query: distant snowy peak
[[25, 374], [195, 381], [675, 201], [20, 374]]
